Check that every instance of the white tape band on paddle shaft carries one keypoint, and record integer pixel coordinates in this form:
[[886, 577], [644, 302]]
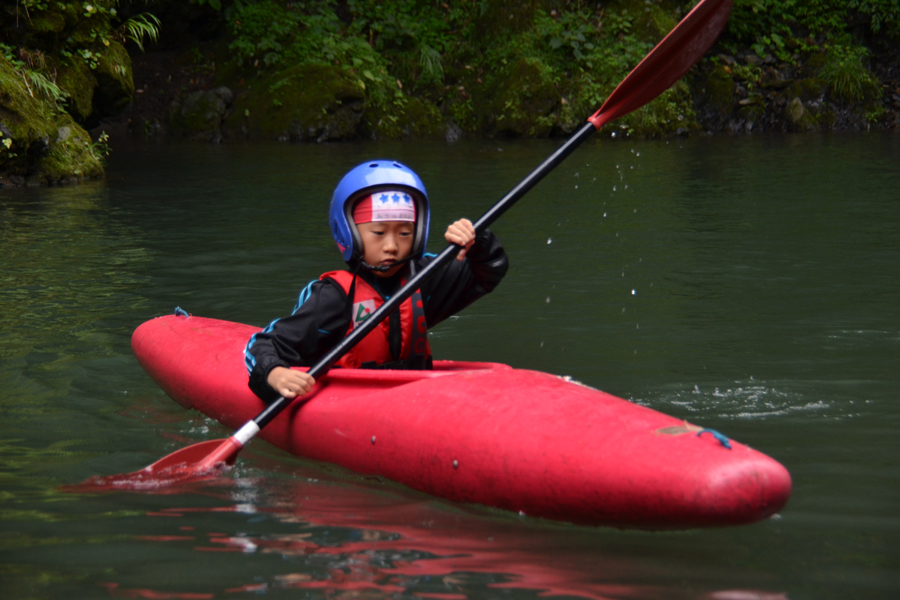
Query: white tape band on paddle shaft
[[246, 433]]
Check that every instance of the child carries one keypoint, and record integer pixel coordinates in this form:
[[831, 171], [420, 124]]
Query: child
[[379, 219]]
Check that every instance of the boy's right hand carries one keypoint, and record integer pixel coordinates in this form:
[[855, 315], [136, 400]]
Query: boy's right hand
[[290, 383]]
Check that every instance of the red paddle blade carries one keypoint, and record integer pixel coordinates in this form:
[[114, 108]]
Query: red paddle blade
[[199, 461], [667, 62]]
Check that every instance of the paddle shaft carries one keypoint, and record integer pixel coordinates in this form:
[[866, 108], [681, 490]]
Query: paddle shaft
[[420, 277]]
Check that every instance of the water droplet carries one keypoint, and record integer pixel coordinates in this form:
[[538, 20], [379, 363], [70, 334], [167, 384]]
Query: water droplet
[[626, 186], [637, 153], [613, 134], [633, 292], [548, 299], [635, 210], [604, 215], [549, 241], [638, 326], [576, 187], [542, 344], [614, 188], [576, 174]]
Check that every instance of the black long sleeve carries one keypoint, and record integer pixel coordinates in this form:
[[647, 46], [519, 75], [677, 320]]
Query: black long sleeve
[[322, 317]]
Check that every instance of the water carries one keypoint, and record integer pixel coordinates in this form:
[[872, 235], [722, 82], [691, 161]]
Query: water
[[748, 284]]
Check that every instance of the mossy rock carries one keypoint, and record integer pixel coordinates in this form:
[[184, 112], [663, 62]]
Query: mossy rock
[[719, 89], [752, 108], [199, 115], [303, 103], [115, 83], [653, 24], [522, 102], [78, 81], [48, 21], [799, 118], [71, 157], [26, 123], [671, 113], [39, 143], [811, 88], [414, 118]]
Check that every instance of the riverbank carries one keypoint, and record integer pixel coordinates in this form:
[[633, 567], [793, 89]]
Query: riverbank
[[401, 69]]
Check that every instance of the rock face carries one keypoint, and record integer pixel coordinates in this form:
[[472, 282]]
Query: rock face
[[39, 143], [63, 71], [199, 115], [751, 93], [305, 103], [523, 101], [115, 84]]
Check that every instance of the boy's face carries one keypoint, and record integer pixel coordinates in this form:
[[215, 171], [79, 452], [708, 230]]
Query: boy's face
[[386, 242]]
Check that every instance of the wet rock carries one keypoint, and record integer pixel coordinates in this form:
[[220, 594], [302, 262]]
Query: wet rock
[[752, 108], [39, 144], [409, 118], [521, 102], [808, 89], [304, 103], [199, 115], [78, 81], [799, 117], [720, 89], [753, 59], [453, 133], [115, 85], [727, 59]]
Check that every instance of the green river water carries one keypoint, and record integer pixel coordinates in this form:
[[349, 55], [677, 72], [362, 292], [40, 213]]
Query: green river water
[[748, 284]]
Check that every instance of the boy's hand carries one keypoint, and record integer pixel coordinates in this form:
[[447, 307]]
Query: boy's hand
[[290, 383], [463, 233]]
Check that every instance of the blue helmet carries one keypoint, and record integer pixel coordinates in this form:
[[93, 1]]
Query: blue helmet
[[363, 180]]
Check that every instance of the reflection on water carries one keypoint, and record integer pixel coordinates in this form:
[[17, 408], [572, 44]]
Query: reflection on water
[[303, 532], [747, 284]]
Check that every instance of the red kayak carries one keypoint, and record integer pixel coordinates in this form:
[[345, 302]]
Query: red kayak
[[482, 432]]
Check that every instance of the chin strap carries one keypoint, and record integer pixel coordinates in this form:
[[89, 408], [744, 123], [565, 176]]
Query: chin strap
[[362, 263]]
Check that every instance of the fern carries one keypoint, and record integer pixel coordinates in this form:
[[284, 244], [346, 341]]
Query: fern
[[138, 27], [430, 61], [45, 85]]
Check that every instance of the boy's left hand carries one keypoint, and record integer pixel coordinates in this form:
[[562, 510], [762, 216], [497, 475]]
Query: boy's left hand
[[463, 233]]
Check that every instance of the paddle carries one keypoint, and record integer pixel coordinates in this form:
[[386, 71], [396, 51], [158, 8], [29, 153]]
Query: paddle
[[662, 67]]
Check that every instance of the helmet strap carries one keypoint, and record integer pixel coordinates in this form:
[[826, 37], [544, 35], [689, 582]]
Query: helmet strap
[[383, 269]]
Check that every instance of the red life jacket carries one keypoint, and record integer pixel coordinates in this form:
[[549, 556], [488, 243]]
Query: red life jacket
[[374, 350]]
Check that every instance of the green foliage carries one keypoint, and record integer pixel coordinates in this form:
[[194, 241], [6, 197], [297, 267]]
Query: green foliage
[[847, 78], [779, 26], [100, 147], [36, 75], [141, 26], [384, 42]]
